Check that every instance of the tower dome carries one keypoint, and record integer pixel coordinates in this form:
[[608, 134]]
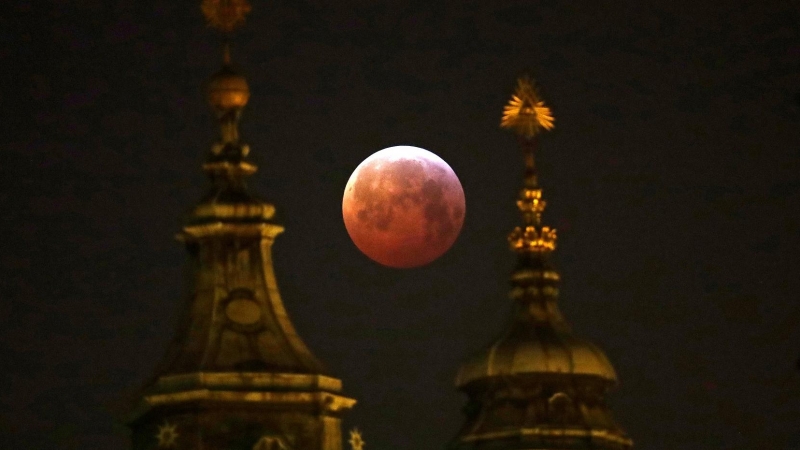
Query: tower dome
[[539, 342], [537, 351]]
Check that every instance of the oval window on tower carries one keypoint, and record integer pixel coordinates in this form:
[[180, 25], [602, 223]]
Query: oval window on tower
[[242, 309]]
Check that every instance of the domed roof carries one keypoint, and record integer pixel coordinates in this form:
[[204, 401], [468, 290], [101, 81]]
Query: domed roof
[[537, 349]]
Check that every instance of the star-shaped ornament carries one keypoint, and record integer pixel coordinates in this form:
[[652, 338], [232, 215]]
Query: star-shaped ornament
[[356, 442], [167, 435]]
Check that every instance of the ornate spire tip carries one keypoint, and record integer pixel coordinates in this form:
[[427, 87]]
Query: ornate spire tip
[[526, 113], [225, 15]]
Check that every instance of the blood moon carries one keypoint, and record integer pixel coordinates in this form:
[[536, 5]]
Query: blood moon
[[403, 207]]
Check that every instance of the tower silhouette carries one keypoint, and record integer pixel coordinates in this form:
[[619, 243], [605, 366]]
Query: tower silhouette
[[538, 386], [237, 375]]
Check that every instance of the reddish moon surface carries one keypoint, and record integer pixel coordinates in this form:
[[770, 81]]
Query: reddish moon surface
[[403, 207]]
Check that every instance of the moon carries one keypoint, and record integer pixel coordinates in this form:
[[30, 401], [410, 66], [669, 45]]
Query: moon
[[403, 207]]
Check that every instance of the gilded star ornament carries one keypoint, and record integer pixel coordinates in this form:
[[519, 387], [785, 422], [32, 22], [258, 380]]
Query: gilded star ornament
[[225, 15], [526, 113], [167, 435], [356, 442]]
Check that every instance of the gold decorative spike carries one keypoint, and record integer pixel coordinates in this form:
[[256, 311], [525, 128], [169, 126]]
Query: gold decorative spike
[[356, 443], [167, 435], [529, 239], [225, 15], [526, 113], [530, 201]]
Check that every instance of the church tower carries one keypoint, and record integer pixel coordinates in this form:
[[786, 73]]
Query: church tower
[[237, 376], [538, 386]]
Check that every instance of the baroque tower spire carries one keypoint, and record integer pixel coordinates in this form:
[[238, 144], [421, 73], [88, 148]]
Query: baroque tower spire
[[538, 386], [237, 375]]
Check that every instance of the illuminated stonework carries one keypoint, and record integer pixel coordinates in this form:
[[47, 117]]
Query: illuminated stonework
[[237, 375]]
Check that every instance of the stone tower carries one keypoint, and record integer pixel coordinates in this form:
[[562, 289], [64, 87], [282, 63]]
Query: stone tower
[[538, 386], [237, 376]]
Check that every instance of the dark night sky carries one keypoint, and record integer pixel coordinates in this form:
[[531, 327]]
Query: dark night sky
[[673, 177]]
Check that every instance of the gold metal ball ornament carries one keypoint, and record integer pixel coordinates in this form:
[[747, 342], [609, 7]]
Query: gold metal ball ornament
[[228, 90]]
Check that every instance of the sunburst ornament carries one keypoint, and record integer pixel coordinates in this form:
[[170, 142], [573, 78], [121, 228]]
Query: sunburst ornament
[[356, 442], [225, 15], [167, 435], [526, 113]]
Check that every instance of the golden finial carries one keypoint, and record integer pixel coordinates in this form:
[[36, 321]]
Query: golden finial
[[526, 113], [225, 15], [356, 443]]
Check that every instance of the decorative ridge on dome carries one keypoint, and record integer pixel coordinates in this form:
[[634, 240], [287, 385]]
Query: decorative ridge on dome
[[537, 351]]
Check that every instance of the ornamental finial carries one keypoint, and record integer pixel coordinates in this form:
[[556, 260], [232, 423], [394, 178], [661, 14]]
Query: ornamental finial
[[526, 113], [225, 15], [228, 94]]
